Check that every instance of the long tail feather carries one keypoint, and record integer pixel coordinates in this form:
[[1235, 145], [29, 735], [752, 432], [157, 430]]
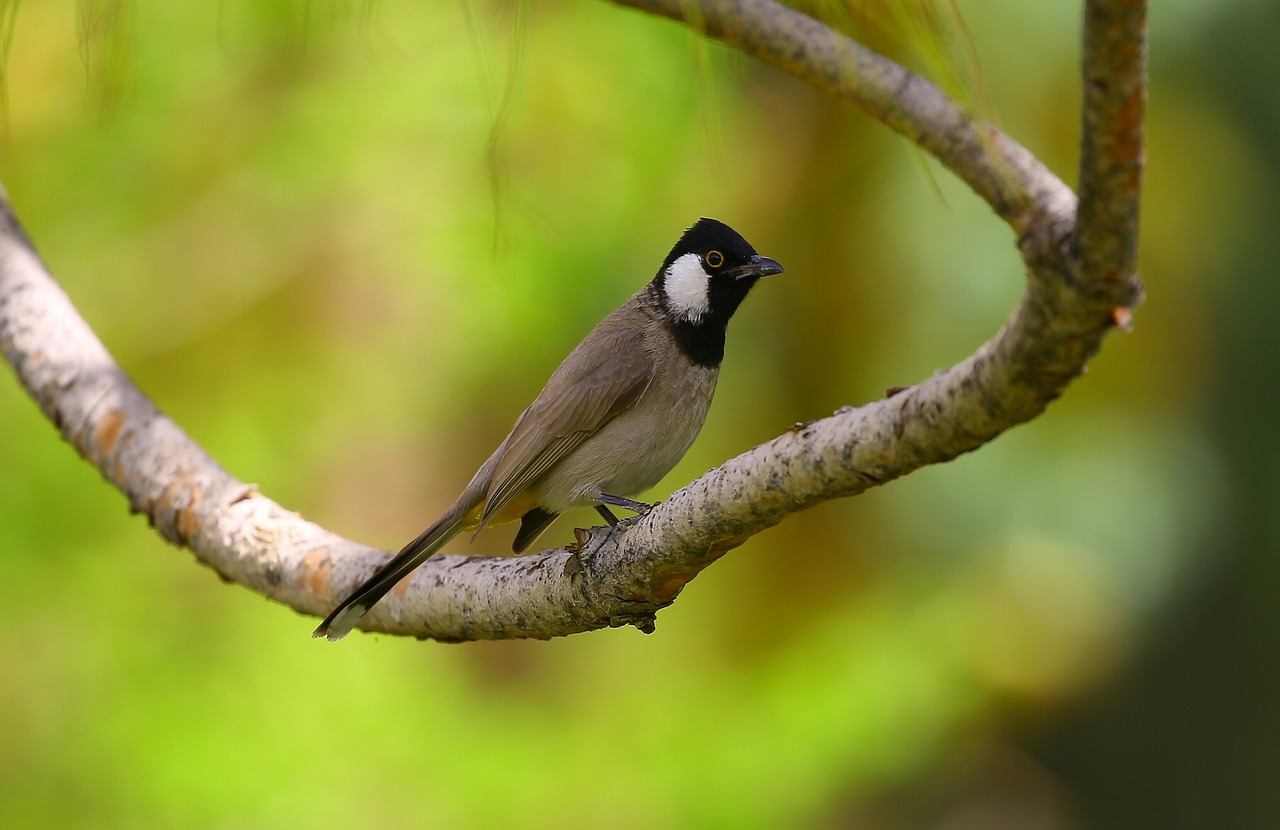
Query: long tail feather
[[343, 618]]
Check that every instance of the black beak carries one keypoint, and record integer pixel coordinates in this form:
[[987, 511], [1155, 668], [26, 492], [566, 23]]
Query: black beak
[[757, 267]]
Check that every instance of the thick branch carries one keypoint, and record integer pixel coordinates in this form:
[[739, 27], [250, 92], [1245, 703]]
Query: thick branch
[[627, 577], [245, 537]]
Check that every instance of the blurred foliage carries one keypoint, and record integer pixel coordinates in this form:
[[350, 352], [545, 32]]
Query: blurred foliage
[[281, 218]]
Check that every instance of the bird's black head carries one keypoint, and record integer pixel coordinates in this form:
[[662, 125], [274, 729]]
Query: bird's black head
[[701, 283]]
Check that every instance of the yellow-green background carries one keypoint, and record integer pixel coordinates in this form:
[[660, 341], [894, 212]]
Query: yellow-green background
[[282, 220]]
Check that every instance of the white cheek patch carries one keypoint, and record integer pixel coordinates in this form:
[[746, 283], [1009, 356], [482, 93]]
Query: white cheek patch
[[686, 285]]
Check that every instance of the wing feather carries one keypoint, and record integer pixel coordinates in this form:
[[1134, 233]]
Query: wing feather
[[611, 371]]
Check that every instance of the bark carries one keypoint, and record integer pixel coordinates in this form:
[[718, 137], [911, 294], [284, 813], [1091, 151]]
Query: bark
[[1080, 285]]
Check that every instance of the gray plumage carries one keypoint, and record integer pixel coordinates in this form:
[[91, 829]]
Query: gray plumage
[[617, 414]]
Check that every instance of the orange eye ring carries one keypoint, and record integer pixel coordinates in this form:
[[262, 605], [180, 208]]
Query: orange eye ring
[[714, 259]]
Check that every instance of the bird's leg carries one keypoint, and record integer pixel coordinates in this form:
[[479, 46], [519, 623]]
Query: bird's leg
[[603, 499], [637, 507]]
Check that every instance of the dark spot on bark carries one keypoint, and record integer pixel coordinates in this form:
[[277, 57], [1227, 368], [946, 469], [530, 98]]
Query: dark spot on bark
[[868, 477]]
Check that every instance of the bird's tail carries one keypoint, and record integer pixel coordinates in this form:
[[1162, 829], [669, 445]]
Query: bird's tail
[[343, 618]]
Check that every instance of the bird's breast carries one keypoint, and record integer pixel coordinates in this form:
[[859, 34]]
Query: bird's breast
[[634, 450]]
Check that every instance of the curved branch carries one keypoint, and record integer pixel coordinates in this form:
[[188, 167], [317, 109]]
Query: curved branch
[[1018, 187], [625, 578]]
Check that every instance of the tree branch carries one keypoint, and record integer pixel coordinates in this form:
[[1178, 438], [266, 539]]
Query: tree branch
[[1018, 187], [1111, 157], [1080, 286]]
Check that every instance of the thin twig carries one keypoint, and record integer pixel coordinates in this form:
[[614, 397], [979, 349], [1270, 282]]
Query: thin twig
[[1111, 154]]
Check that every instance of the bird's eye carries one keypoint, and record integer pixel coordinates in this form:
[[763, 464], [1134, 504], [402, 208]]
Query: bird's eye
[[714, 258]]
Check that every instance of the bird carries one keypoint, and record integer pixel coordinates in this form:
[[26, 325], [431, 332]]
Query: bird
[[617, 414]]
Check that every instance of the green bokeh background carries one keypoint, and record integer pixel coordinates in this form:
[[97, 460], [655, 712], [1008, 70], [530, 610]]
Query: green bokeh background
[[284, 221]]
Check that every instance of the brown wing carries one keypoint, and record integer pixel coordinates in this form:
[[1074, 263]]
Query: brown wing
[[603, 376]]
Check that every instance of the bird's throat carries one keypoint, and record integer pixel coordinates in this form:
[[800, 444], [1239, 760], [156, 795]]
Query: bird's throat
[[701, 342]]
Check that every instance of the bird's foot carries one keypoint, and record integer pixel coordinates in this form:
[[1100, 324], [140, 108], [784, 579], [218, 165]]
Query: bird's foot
[[626, 524], [615, 524]]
